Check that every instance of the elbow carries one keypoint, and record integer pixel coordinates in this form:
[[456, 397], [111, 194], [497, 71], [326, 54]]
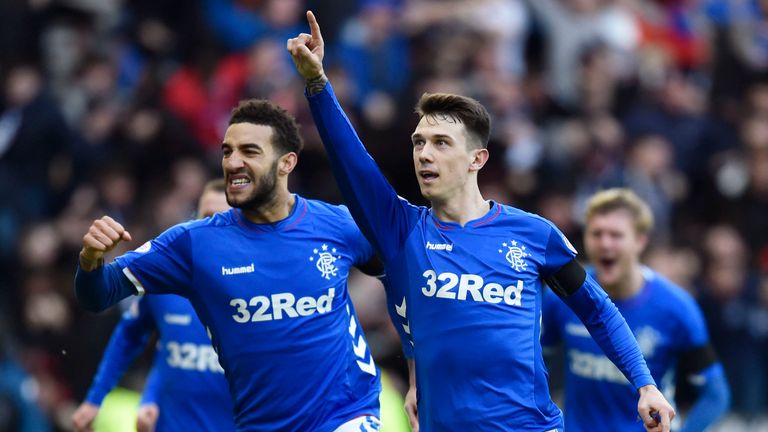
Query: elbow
[[724, 397], [90, 305], [719, 393], [89, 300]]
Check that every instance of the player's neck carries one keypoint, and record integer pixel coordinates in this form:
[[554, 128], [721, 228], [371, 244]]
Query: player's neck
[[630, 285], [461, 208], [275, 210]]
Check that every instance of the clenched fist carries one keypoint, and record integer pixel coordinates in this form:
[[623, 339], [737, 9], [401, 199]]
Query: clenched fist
[[103, 236]]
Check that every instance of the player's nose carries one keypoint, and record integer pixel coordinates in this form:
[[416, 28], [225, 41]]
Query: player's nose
[[426, 154], [233, 162]]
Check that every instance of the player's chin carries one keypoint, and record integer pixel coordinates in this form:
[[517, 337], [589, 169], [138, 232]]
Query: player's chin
[[428, 191]]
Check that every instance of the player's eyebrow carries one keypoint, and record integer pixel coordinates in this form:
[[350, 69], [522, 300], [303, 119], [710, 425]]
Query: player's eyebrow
[[244, 146], [251, 146], [435, 136], [442, 136]]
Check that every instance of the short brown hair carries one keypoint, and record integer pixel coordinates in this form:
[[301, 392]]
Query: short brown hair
[[286, 137], [621, 199], [462, 109]]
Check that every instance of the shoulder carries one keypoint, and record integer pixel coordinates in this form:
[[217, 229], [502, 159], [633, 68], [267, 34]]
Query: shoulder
[[217, 220], [330, 215], [675, 297], [331, 218], [509, 213], [324, 209], [185, 230]]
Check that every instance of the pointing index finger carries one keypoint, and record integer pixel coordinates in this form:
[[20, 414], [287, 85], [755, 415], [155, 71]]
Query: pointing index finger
[[314, 27]]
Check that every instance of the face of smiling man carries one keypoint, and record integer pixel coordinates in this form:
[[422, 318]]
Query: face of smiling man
[[250, 164]]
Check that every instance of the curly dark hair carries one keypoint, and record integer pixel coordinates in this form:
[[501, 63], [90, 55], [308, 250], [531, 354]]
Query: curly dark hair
[[286, 137]]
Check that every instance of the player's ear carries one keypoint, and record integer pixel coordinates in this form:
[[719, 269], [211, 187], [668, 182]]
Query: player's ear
[[287, 162], [642, 242], [479, 158]]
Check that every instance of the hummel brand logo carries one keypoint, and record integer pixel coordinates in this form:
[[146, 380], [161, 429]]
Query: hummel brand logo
[[439, 246], [227, 271]]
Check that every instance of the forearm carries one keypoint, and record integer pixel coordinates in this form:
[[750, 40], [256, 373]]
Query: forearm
[[152, 386], [611, 332], [126, 343], [412, 372], [101, 287], [371, 199], [713, 401]]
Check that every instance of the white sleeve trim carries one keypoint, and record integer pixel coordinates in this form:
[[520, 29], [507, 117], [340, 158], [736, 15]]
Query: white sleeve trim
[[139, 287]]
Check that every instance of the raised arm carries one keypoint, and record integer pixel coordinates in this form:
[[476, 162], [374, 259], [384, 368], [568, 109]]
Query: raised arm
[[383, 217], [98, 286]]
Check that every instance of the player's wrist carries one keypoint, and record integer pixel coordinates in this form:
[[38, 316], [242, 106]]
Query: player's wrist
[[90, 263], [646, 388], [317, 83]]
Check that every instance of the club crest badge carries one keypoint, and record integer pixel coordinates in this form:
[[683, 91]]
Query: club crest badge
[[325, 261], [515, 254]]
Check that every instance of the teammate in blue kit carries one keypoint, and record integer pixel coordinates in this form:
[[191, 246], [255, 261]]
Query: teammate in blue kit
[[467, 273], [186, 389], [665, 319], [268, 279]]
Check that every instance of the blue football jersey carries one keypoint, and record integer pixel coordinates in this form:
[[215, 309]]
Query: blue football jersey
[[274, 298], [469, 296], [666, 322], [187, 382]]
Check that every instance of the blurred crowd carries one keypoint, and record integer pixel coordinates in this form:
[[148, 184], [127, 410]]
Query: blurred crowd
[[118, 107]]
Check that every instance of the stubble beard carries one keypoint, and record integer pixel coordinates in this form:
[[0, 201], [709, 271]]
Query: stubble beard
[[263, 195]]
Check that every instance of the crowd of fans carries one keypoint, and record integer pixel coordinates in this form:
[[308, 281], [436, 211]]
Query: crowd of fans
[[118, 108]]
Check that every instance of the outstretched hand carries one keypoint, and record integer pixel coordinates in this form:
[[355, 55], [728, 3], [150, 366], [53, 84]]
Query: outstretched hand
[[307, 50]]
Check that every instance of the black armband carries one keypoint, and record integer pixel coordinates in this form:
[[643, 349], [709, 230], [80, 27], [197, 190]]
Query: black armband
[[374, 267], [567, 280], [697, 359]]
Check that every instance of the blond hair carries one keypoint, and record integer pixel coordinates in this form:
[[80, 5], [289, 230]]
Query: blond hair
[[621, 199]]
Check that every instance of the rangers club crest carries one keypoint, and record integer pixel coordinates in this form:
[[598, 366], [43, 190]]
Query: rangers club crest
[[515, 253], [325, 261]]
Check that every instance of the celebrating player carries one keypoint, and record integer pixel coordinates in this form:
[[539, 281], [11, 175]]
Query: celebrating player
[[467, 273], [269, 281], [617, 226], [186, 389]]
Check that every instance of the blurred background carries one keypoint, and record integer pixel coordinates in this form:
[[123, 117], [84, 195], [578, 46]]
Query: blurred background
[[118, 107]]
